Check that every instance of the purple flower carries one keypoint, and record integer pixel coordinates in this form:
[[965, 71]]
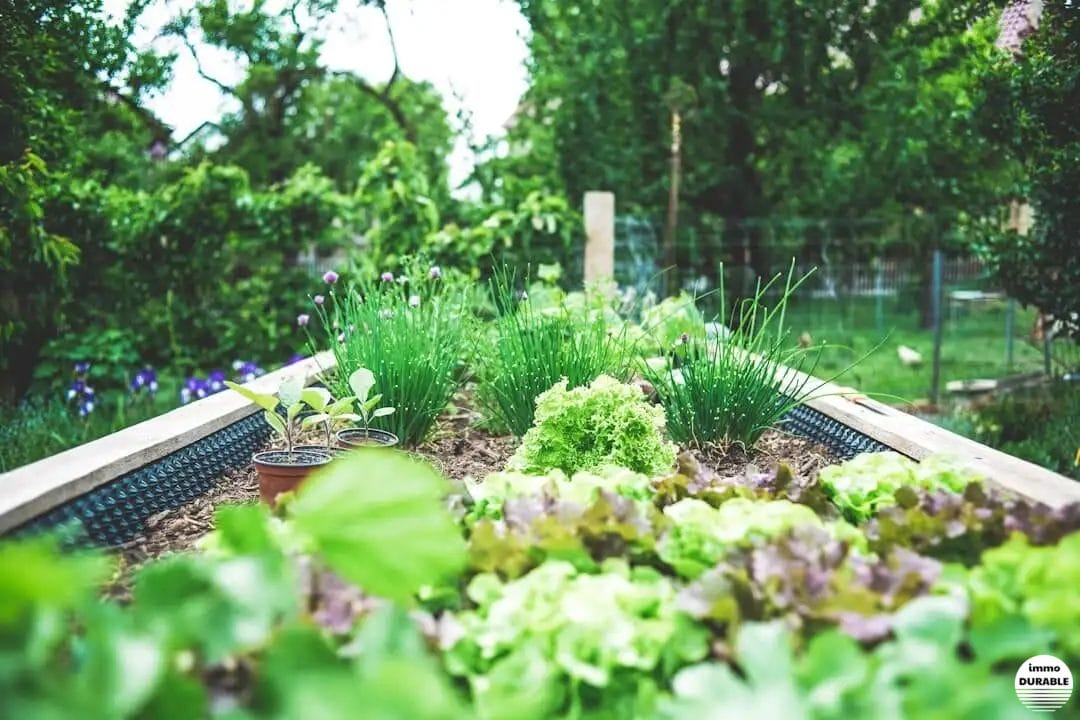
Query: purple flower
[[319, 299], [81, 368], [303, 319], [295, 358], [330, 277], [145, 379], [245, 371], [387, 277], [435, 272], [215, 383]]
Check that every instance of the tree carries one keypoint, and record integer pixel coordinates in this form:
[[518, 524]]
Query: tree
[[292, 109], [71, 86], [1033, 99], [791, 98]]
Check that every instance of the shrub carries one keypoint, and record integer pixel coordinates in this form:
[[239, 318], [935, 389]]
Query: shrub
[[531, 350], [586, 428], [733, 389], [411, 335]]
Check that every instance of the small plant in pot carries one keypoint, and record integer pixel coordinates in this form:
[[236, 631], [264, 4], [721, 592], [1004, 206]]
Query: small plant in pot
[[282, 470], [328, 413], [361, 382]]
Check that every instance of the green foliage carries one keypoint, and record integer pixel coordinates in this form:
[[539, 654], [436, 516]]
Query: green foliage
[[571, 633], [411, 335], [672, 322], [395, 197], [1041, 425], [1029, 95], [588, 427], [194, 619], [34, 266], [531, 350], [869, 481], [290, 395], [732, 389], [349, 522], [207, 240], [918, 674], [538, 228], [701, 533], [1017, 580]]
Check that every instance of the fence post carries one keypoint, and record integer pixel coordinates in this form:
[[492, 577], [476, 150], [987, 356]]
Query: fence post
[[599, 235], [935, 309], [1010, 330]]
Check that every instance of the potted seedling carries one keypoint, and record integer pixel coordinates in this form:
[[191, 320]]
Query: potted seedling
[[328, 413], [282, 470], [361, 382]]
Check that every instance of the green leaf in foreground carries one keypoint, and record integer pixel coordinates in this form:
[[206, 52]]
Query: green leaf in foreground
[[378, 520]]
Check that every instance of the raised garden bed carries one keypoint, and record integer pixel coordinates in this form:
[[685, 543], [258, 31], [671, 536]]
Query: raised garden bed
[[722, 585]]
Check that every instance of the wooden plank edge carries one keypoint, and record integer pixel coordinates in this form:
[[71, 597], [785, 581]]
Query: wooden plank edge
[[32, 490], [918, 439]]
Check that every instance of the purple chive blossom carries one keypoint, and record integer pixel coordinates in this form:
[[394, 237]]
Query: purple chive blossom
[[387, 277], [303, 319], [435, 272], [414, 301], [319, 299], [330, 277]]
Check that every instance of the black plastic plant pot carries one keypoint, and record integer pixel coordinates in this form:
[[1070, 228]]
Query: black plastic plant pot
[[366, 437], [281, 471]]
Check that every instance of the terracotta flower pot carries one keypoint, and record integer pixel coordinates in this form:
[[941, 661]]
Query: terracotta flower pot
[[280, 471], [366, 437]]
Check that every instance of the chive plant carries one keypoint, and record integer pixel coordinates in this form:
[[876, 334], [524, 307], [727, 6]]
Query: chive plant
[[730, 390], [531, 350], [411, 334]]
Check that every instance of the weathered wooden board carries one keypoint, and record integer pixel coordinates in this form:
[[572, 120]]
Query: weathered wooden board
[[36, 488], [918, 438]]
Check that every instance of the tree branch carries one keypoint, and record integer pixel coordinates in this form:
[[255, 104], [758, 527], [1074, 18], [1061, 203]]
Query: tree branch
[[393, 51]]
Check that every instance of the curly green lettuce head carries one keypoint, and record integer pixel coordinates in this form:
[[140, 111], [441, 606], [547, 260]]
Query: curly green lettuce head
[[588, 428], [867, 482]]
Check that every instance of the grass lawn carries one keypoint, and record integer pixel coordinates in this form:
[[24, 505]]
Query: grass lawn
[[973, 346]]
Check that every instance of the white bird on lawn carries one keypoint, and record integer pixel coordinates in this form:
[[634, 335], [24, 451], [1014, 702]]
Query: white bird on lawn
[[909, 357]]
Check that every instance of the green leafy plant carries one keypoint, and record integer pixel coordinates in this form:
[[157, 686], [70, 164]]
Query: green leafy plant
[[733, 389], [531, 350], [411, 336], [362, 381], [869, 481], [586, 428], [290, 395]]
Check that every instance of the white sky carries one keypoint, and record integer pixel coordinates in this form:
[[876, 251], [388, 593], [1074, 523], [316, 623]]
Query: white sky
[[473, 48]]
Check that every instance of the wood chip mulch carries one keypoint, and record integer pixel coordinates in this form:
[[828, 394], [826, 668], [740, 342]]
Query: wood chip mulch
[[459, 449]]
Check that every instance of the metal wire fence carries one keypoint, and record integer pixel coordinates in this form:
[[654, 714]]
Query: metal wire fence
[[902, 308]]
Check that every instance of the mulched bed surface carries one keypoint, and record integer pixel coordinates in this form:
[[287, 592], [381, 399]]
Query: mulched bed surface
[[459, 450]]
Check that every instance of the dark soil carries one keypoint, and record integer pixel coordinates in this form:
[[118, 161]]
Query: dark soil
[[459, 449]]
